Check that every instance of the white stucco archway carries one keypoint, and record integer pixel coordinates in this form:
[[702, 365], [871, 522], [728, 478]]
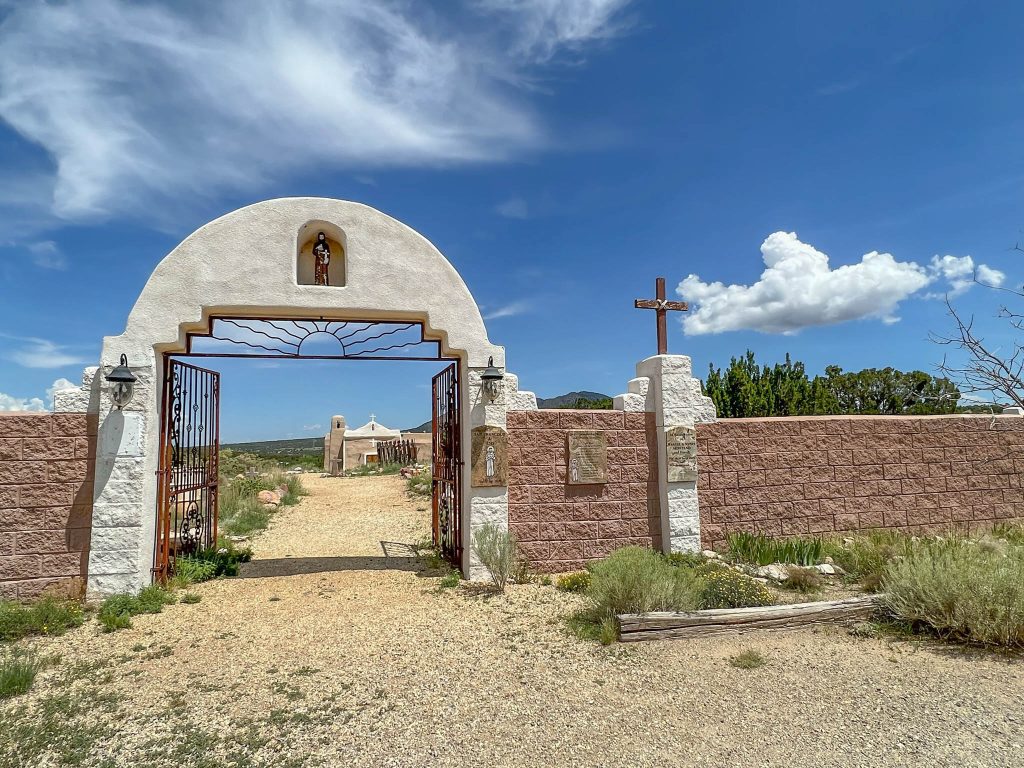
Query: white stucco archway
[[244, 264]]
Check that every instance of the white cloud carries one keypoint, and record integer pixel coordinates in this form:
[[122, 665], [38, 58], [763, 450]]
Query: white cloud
[[34, 404], [41, 353], [47, 255], [509, 310], [513, 208], [313, 428], [141, 105], [546, 26], [798, 289]]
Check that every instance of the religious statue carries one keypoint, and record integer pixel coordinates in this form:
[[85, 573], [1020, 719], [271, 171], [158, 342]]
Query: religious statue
[[490, 460], [322, 257], [574, 470]]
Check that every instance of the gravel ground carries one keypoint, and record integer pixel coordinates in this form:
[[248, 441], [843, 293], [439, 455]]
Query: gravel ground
[[322, 655]]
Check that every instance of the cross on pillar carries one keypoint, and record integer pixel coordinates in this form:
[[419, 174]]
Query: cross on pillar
[[661, 308]]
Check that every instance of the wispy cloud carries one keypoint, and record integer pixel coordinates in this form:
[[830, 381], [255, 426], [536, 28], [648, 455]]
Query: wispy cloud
[[509, 310], [799, 289], [842, 86], [47, 255], [142, 105], [313, 428], [32, 352], [513, 208]]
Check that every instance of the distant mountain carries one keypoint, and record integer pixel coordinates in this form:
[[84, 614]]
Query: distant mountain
[[426, 426], [303, 446], [568, 400]]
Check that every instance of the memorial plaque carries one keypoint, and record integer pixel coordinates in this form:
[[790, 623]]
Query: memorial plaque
[[586, 457], [681, 454], [489, 457]]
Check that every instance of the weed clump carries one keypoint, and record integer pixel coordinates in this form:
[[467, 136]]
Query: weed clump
[[574, 582], [47, 616], [748, 659]]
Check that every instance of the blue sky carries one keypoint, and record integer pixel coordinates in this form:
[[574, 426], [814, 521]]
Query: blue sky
[[561, 153]]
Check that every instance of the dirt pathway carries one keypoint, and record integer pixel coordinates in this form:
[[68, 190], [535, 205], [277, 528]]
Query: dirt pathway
[[323, 656]]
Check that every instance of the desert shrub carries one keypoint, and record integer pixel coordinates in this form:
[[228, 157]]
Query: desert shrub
[[495, 547], [295, 489], [764, 550], [117, 610], [686, 559], [638, 580], [153, 598], [18, 671], [588, 625], [1010, 532], [748, 659], [46, 616], [522, 573], [726, 588], [193, 570], [802, 579], [959, 590], [450, 580], [241, 515], [191, 598], [865, 556], [574, 582], [420, 485]]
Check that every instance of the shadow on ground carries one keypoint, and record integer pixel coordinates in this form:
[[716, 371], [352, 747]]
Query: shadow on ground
[[294, 566]]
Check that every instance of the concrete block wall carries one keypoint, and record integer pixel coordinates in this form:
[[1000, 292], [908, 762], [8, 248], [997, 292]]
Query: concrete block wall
[[834, 474], [46, 493], [559, 526]]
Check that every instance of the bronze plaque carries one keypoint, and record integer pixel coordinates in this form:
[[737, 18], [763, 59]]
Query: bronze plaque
[[681, 454], [586, 457], [490, 457]]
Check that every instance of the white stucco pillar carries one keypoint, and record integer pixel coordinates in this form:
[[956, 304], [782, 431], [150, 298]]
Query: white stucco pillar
[[665, 385]]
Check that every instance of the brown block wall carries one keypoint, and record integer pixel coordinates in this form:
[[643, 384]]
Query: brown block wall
[[559, 526], [830, 474], [46, 486]]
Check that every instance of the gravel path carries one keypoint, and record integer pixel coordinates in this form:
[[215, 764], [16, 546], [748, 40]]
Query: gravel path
[[323, 656]]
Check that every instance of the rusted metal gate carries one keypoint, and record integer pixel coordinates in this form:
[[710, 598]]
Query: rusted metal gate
[[447, 465], [189, 452]]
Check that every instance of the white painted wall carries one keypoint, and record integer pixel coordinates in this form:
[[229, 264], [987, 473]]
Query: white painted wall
[[244, 264]]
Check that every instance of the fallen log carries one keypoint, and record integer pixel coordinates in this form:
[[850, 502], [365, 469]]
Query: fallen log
[[634, 627]]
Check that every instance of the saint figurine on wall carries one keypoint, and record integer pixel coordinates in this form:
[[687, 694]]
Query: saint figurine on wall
[[322, 258], [490, 456]]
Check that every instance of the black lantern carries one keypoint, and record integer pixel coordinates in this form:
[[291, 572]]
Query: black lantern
[[122, 383], [492, 379]]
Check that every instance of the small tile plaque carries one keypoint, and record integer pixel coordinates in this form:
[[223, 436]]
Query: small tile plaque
[[586, 457], [681, 454], [489, 457]]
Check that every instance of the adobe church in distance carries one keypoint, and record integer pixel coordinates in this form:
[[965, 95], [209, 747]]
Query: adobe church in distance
[[345, 448]]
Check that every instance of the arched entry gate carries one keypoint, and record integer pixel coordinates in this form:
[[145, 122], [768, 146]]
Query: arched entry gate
[[190, 426]]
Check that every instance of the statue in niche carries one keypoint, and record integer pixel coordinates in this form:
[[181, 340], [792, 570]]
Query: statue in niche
[[574, 470], [489, 454], [322, 258]]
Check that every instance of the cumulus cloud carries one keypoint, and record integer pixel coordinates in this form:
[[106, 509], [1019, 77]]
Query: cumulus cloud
[[513, 208], [141, 105], [799, 289], [34, 404]]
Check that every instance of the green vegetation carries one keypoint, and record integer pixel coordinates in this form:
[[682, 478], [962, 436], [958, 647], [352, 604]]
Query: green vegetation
[[748, 659], [18, 670], [587, 404], [193, 570], [726, 588], [802, 580], [47, 616], [865, 556], [420, 485], [764, 550], [372, 470], [574, 582], [117, 611], [495, 547], [960, 589], [639, 580], [747, 389], [190, 598], [450, 580], [240, 510]]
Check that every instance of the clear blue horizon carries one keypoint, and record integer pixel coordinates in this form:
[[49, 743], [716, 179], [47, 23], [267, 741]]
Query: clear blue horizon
[[561, 155]]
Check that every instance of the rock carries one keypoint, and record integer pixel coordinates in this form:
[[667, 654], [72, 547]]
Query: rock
[[238, 539], [828, 560], [268, 497], [710, 554], [775, 572], [826, 569]]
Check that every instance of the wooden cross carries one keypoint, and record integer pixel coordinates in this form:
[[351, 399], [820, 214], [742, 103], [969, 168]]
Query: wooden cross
[[661, 308]]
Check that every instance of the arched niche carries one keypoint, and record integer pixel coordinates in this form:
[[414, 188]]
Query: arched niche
[[305, 261]]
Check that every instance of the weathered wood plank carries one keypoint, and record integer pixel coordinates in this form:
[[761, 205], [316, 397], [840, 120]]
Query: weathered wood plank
[[634, 627]]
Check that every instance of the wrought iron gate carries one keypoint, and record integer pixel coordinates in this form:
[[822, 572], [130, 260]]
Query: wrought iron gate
[[447, 465], [187, 478]]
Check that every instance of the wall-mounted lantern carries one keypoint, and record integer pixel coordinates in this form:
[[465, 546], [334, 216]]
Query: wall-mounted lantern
[[492, 378], [122, 383]]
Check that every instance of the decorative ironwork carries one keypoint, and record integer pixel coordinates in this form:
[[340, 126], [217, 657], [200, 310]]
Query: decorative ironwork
[[313, 339], [189, 449], [397, 452], [446, 470]]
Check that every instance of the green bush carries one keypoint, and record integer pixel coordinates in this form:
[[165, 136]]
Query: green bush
[[193, 570], [960, 590], [153, 598], [726, 588], [638, 580], [574, 582], [764, 550], [224, 556], [190, 598], [47, 616], [495, 547], [420, 485], [686, 559], [18, 671], [865, 556], [117, 610], [802, 579]]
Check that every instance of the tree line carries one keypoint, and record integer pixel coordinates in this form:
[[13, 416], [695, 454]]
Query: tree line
[[746, 389]]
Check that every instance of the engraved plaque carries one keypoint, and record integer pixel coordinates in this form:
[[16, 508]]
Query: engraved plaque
[[586, 457], [681, 454], [489, 457]]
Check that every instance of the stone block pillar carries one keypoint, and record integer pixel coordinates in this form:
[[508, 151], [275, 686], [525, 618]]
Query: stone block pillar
[[665, 385]]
